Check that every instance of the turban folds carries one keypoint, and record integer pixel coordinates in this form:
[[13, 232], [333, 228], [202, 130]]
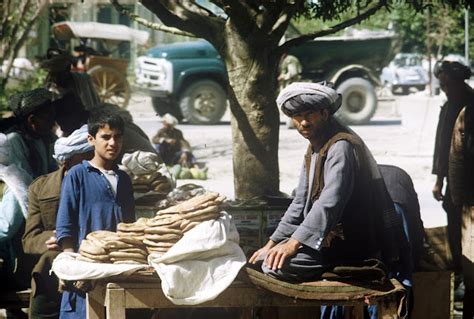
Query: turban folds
[[76, 143], [305, 96]]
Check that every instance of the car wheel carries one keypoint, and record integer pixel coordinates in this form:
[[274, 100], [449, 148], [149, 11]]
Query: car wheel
[[359, 101], [203, 102]]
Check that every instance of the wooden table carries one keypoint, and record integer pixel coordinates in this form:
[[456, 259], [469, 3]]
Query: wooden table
[[118, 294]]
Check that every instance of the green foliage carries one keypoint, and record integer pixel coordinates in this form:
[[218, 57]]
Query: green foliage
[[408, 21], [35, 80]]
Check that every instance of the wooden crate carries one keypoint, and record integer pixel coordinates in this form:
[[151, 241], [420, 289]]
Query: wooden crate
[[433, 295]]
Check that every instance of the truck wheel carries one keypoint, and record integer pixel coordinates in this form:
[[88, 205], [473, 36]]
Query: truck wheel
[[203, 102], [162, 106], [359, 101]]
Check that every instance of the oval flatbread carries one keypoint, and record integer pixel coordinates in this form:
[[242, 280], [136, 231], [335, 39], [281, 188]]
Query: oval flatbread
[[90, 248], [162, 230], [101, 234], [164, 237], [130, 250], [130, 240], [135, 227], [100, 258], [157, 244], [117, 244]]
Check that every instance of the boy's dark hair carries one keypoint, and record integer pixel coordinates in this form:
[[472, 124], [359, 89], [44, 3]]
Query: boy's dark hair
[[99, 119]]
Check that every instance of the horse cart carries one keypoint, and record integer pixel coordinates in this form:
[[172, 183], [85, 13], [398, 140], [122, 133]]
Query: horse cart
[[97, 44]]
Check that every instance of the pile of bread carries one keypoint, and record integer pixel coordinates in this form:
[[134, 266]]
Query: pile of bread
[[170, 224], [109, 247], [134, 241], [151, 182]]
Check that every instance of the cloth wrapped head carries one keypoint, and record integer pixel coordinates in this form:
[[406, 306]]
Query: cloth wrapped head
[[305, 96], [76, 143], [452, 69], [169, 119], [25, 103]]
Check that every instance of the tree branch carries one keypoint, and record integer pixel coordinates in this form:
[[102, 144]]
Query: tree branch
[[341, 26], [189, 18], [152, 25]]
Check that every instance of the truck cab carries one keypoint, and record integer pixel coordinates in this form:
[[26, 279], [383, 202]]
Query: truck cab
[[186, 79]]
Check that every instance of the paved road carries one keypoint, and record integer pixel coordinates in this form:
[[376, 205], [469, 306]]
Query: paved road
[[401, 133]]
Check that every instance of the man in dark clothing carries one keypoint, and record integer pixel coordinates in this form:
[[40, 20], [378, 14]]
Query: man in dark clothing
[[461, 177], [451, 77], [39, 238], [171, 144], [342, 211], [400, 187]]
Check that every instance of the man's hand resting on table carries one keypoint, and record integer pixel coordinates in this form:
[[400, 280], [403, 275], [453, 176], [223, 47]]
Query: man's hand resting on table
[[275, 255]]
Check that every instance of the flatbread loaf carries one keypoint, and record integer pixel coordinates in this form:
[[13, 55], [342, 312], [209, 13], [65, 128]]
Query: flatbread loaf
[[162, 230], [164, 221], [122, 254], [164, 237], [130, 240], [131, 250], [190, 226], [191, 204], [125, 227], [90, 248], [117, 244], [151, 243], [83, 258], [101, 234], [99, 258]]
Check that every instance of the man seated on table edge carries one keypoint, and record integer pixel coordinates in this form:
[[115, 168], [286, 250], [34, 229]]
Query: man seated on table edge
[[341, 212]]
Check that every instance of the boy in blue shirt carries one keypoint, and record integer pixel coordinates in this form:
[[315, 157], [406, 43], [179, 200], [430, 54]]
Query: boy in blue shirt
[[95, 195]]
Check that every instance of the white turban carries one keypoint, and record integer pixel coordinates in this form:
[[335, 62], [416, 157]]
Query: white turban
[[169, 119], [76, 143], [312, 96]]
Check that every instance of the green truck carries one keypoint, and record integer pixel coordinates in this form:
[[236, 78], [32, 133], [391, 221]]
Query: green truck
[[188, 79]]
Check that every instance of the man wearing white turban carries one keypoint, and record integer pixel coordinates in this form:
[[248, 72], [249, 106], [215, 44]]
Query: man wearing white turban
[[39, 237], [341, 207]]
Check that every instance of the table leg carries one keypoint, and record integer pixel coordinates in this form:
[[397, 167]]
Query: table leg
[[354, 312], [115, 303], [95, 304]]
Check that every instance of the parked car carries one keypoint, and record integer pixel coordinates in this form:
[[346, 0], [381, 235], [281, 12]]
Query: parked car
[[404, 72]]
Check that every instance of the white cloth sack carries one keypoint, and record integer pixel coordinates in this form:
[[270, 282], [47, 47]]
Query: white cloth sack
[[202, 264], [141, 162], [66, 267]]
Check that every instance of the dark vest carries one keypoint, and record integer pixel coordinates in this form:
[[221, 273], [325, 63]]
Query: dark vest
[[362, 212]]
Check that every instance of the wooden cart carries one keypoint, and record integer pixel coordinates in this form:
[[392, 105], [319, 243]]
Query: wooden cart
[[108, 74]]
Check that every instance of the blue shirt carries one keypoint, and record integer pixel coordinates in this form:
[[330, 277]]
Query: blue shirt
[[88, 203]]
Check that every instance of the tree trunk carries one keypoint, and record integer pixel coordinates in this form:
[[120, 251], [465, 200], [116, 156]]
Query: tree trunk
[[255, 117]]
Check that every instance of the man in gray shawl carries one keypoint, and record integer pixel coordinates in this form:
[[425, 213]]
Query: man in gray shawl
[[342, 212]]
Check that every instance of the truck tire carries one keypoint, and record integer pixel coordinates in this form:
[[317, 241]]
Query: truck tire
[[359, 101], [203, 102], [162, 106]]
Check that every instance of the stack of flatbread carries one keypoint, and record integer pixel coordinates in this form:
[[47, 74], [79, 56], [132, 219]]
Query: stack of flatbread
[[109, 247], [136, 229], [169, 225], [151, 182]]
